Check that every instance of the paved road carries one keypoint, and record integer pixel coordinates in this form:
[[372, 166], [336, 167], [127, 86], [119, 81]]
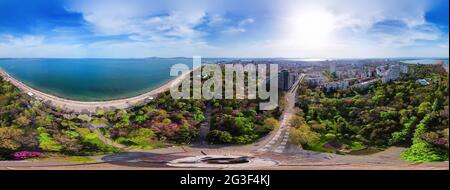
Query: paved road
[[279, 141], [306, 160]]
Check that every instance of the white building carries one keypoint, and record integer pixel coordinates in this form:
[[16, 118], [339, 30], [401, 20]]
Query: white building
[[339, 85], [366, 84], [316, 81], [393, 73], [404, 68]]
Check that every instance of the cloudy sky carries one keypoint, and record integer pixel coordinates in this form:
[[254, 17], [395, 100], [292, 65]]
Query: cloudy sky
[[224, 28]]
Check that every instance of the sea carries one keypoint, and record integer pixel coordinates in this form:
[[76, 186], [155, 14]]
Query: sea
[[108, 79], [425, 61], [93, 79]]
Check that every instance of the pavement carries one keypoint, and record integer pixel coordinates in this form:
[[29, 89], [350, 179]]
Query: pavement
[[291, 159]]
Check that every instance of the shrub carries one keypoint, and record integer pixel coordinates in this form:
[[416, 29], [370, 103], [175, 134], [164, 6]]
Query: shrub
[[423, 152], [25, 154], [303, 136], [219, 137], [330, 136], [141, 136], [269, 125], [46, 142], [84, 118], [245, 139], [355, 146], [187, 134]]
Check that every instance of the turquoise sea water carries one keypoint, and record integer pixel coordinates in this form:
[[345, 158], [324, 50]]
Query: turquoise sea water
[[93, 79]]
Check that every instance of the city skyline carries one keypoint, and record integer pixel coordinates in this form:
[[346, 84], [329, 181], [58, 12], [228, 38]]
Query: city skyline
[[294, 29]]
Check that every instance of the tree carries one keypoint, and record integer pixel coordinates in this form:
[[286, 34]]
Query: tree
[[48, 143], [141, 136], [296, 121], [71, 145], [269, 125], [303, 136], [23, 121], [283, 103], [219, 137], [10, 138], [140, 118], [424, 108], [436, 105], [187, 134], [84, 118], [241, 126]]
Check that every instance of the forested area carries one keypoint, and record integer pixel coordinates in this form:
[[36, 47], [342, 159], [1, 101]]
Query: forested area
[[402, 113], [31, 128]]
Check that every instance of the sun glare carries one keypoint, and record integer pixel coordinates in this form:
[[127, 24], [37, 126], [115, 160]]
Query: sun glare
[[313, 27]]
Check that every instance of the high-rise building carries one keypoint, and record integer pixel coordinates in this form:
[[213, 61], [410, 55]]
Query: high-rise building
[[283, 80], [332, 67], [393, 73]]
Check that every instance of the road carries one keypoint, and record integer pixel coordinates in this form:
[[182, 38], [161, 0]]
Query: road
[[279, 141], [91, 107]]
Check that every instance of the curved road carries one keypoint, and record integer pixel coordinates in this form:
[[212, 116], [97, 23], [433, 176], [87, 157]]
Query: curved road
[[80, 106]]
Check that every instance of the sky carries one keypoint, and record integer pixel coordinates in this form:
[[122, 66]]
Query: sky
[[224, 28]]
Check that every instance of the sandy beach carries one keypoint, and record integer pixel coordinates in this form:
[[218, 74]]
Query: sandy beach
[[89, 107]]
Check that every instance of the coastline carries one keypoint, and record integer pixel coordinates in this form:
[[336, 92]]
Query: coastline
[[90, 107]]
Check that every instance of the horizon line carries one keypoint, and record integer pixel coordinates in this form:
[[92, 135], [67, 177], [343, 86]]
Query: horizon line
[[184, 57]]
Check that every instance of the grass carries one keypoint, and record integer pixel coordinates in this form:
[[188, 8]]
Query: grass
[[69, 159], [99, 122], [352, 148], [320, 146], [148, 145], [357, 146]]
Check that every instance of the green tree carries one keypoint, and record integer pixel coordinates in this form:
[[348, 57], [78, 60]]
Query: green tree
[[219, 137], [424, 108], [269, 125], [187, 134]]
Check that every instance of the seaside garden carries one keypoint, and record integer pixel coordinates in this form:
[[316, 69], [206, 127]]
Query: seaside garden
[[30, 128], [357, 121]]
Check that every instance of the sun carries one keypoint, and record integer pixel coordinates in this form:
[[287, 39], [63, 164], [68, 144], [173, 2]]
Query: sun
[[313, 28]]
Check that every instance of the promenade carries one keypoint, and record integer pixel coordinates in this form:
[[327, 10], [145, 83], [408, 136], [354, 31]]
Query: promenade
[[89, 107]]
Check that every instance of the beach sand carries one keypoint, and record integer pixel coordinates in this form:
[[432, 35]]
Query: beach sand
[[90, 107]]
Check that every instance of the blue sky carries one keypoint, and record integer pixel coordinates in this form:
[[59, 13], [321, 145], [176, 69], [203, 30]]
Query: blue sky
[[224, 28]]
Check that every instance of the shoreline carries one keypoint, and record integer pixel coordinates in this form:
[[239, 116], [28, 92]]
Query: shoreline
[[90, 107]]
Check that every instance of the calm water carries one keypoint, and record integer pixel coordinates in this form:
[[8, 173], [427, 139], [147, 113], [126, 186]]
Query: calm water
[[92, 79], [426, 61]]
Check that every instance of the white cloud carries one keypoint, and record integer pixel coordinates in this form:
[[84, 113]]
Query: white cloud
[[240, 27], [343, 28], [246, 22], [35, 46], [349, 24]]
